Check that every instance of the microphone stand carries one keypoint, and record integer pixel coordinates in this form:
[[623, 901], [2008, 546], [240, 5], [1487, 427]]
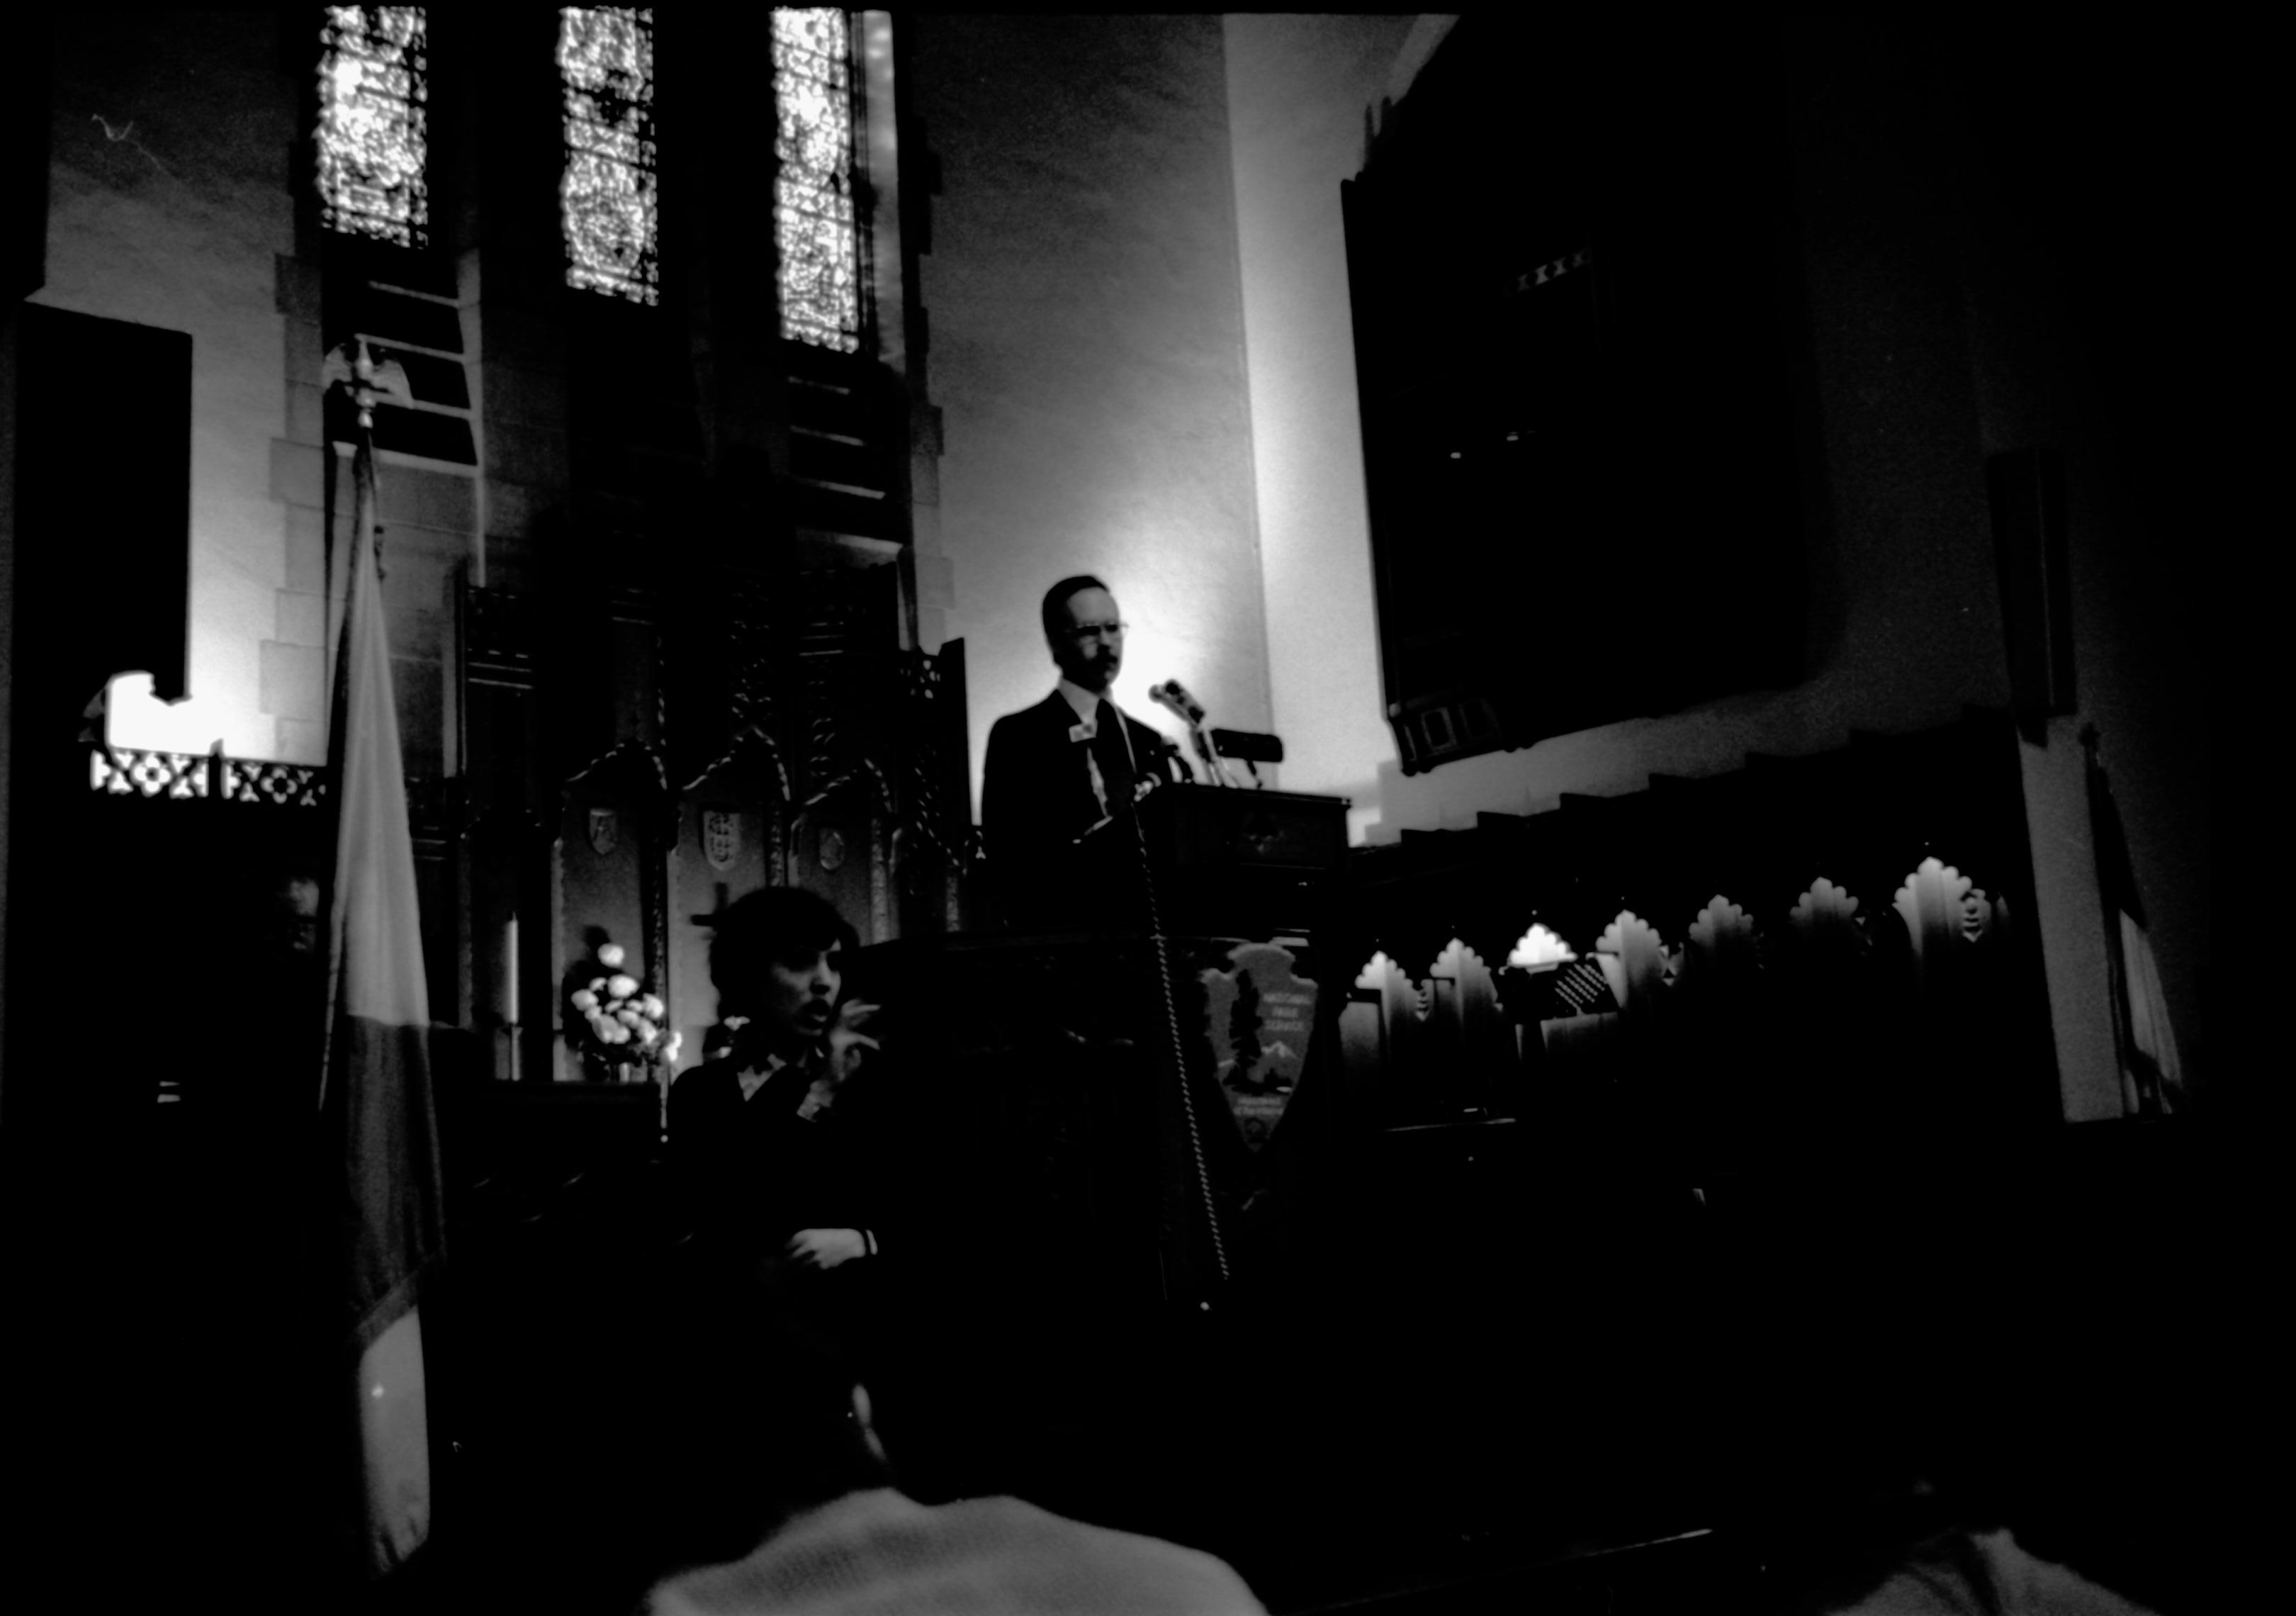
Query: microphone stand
[[1221, 772], [1171, 696], [1174, 1048]]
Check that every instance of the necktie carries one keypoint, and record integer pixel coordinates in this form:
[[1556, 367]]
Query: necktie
[[1115, 761]]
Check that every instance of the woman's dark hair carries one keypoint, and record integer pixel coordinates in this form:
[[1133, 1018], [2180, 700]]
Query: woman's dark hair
[[788, 925], [1057, 596]]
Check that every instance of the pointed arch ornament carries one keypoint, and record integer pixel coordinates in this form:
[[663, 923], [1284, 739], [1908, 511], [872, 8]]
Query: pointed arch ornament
[[1634, 961], [1722, 943], [1825, 919]]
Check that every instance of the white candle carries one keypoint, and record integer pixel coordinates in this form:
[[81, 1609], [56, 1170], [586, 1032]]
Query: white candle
[[506, 980]]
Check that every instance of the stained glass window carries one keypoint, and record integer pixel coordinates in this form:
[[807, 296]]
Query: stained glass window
[[813, 195], [607, 200], [370, 132]]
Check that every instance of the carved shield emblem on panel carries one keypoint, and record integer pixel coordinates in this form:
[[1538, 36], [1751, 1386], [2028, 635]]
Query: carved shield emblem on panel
[[605, 830], [721, 837]]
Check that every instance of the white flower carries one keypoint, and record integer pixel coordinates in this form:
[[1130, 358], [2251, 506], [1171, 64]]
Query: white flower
[[653, 1006], [622, 986], [597, 984], [626, 1017], [602, 1025], [584, 1000], [646, 1030], [617, 1034], [610, 955], [669, 1050]]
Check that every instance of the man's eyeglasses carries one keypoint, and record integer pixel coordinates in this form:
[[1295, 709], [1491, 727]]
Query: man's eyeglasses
[[1097, 631]]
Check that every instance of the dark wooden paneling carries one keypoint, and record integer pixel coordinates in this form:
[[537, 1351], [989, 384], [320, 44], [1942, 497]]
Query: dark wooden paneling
[[103, 502], [1574, 331]]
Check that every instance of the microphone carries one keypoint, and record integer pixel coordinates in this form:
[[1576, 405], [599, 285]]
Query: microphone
[[1173, 697]]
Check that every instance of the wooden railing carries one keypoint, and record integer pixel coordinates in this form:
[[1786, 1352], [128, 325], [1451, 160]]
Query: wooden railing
[[1849, 935]]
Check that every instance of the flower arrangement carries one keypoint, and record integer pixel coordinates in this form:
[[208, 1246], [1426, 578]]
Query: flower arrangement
[[616, 1022]]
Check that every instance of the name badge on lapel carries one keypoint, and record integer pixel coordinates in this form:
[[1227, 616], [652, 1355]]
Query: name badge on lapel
[[1085, 731]]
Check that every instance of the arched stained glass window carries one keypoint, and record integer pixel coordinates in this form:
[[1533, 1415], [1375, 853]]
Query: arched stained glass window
[[814, 216], [607, 200], [371, 128]]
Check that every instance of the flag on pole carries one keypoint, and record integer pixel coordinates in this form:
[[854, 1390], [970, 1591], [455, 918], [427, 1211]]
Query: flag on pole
[[375, 1088], [2152, 1079]]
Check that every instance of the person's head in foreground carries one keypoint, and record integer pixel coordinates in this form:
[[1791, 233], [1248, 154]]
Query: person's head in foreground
[[812, 1524]]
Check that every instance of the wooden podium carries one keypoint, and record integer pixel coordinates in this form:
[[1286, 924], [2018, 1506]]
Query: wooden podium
[[1245, 863], [1053, 1047]]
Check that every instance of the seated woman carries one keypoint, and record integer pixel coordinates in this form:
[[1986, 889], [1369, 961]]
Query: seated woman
[[777, 1154], [769, 1133]]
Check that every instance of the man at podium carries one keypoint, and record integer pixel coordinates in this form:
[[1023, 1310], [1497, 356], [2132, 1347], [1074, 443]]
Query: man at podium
[[1062, 776]]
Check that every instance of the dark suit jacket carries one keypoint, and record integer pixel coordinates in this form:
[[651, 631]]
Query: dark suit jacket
[[754, 1172], [1036, 801]]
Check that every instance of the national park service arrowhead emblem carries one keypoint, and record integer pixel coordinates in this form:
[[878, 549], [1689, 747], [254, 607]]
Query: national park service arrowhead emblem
[[1259, 1017]]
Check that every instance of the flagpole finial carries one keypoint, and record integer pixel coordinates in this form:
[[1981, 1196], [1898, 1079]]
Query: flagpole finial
[[363, 390], [353, 367]]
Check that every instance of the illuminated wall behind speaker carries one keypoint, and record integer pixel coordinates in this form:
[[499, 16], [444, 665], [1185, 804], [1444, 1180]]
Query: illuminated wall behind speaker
[[1087, 351], [1297, 87]]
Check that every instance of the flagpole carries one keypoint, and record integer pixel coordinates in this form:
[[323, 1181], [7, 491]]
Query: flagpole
[[2145, 1048], [374, 1089], [2116, 967], [361, 387]]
